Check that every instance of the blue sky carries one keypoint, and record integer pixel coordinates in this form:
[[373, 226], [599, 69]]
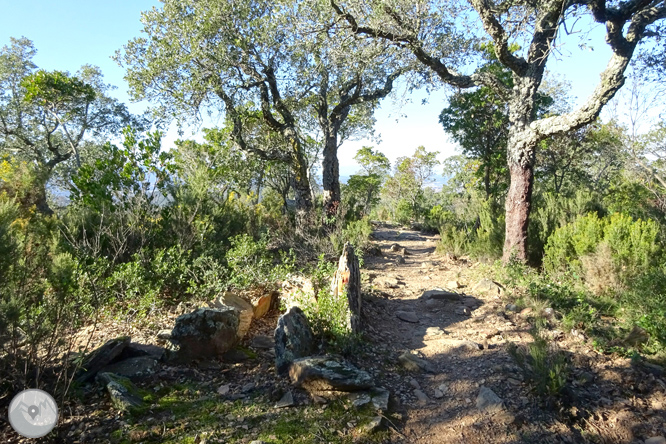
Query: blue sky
[[68, 34]]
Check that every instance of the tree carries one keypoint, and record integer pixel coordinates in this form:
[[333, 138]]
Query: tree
[[47, 118], [432, 32], [270, 68], [364, 188]]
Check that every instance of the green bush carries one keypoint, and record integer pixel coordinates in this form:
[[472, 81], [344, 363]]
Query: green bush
[[251, 263], [633, 245]]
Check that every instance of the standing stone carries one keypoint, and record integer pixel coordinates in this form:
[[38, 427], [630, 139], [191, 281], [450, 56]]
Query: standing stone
[[205, 333], [347, 281], [262, 304], [293, 339], [245, 310], [102, 357]]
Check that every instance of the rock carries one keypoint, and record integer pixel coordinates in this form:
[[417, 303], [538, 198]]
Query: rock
[[325, 373], [428, 264], [637, 337], [525, 312], [395, 248], [236, 355], [470, 302], [380, 399], [223, 389], [293, 339], [656, 440], [248, 387], [511, 307], [205, 333], [407, 316], [488, 286], [375, 425], [422, 397], [262, 342], [359, 399], [487, 401], [256, 441], [133, 367], [374, 250], [470, 345], [136, 350], [438, 394], [245, 310], [124, 395], [347, 280], [164, 334], [400, 260], [262, 304], [414, 363], [414, 383], [440, 295], [549, 313], [287, 400], [101, 357]]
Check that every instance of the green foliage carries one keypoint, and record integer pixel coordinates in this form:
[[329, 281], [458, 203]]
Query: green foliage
[[544, 365], [251, 263], [634, 246]]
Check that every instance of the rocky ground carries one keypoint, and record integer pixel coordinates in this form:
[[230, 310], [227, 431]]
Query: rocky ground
[[437, 335]]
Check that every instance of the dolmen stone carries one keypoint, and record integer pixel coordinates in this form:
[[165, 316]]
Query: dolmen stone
[[123, 393], [205, 333], [101, 357], [293, 339], [321, 374], [133, 367], [245, 310]]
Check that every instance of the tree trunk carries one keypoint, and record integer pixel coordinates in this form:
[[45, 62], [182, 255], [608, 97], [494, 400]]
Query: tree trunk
[[518, 206], [331, 176]]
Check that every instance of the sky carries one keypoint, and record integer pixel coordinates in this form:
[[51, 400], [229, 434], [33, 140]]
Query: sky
[[68, 34]]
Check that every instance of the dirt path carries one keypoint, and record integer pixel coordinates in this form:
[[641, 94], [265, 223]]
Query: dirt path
[[465, 343]]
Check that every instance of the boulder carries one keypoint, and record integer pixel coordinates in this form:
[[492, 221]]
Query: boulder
[[245, 310], [136, 350], [400, 260], [101, 357], [441, 295], [124, 394], [133, 367], [296, 291], [407, 316], [326, 373], [205, 333], [347, 281], [293, 339], [395, 248], [378, 397]]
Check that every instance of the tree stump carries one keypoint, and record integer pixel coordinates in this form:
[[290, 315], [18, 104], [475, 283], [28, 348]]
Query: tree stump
[[347, 280]]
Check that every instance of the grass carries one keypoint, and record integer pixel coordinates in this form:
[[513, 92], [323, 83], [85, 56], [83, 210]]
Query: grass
[[187, 413]]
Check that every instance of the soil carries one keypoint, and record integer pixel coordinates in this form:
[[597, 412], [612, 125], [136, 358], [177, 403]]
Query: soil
[[466, 340]]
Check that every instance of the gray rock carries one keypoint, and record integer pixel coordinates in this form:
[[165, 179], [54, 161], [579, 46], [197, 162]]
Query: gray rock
[[395, 248], [470, 345], [287, 400], [133, 367], [407, 316], [487, 401], [380, 399], [463, 311], [257, 441], [400, 260], [511, 307], [325, 373], [434, 331], [414, 363], [414, 383], [101, 357], [656, 440], [124, 395], [438, 394], [347, 281], [293, 339], [262, 342], [422, 397], [375, 425], [441, 295], [205, 333], [360, 399]]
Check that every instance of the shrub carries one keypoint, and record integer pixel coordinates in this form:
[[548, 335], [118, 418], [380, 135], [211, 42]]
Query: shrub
[[250, 263]]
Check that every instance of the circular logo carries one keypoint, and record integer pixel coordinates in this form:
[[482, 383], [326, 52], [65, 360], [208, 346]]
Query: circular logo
[[33, 413]]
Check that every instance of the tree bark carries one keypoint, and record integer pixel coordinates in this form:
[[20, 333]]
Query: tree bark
[[331, 176], [518, 206]]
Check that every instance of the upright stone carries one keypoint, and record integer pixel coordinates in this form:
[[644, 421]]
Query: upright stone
[[245, 310], [293, 339], [347, 280], [205, 333]]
